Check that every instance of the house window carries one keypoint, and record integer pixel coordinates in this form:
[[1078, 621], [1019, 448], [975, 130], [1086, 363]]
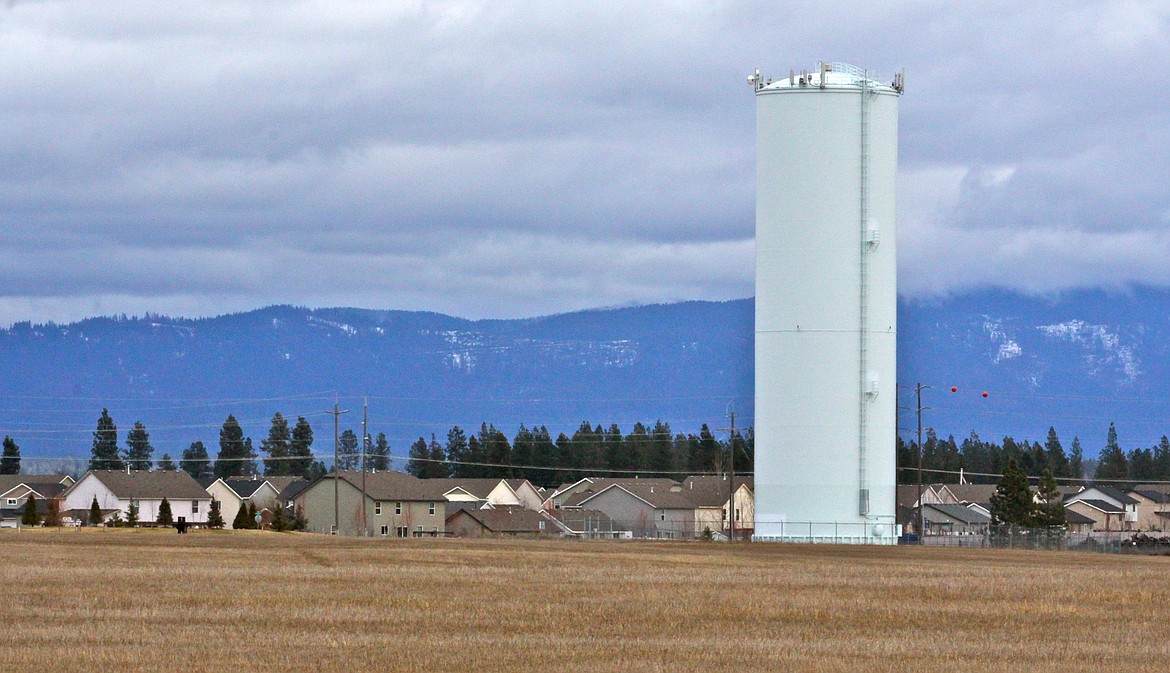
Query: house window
[[738, 516], [402, 531], [194, 506], [385, 530], [12, 502], [662, 516], [432, 509], [541, 525], [418, 529], [398, 508], [378, 512]]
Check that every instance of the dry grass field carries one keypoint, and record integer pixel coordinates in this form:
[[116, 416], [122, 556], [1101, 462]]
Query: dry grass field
[[92, 600]]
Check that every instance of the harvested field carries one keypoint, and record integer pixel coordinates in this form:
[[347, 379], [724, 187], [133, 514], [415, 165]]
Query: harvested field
[[139, 600]]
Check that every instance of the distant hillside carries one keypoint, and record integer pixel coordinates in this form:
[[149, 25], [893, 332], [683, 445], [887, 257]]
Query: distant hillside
[[1077, 362]]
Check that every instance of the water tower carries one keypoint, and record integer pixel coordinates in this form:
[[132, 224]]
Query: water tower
[[826, 306]]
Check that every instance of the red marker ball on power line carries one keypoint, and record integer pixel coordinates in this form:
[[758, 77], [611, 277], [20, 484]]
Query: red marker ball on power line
[[954, 389], [985, 393]]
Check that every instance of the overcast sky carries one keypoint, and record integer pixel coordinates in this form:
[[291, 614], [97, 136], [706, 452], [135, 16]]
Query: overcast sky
[[511, 159]]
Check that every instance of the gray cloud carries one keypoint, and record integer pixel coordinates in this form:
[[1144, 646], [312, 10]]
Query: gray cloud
[[506, 159]]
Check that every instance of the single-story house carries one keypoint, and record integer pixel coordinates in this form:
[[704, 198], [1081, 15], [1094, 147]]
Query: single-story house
[[234, 493], [954, 519], [502, 521]]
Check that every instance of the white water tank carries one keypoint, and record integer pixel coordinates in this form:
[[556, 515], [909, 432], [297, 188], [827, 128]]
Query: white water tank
[[826, 306]]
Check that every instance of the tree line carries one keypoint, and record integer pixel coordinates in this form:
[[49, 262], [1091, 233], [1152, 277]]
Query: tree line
[[942, 459], [532, 453]]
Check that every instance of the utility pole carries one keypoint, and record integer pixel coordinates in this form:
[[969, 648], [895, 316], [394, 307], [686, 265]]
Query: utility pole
[[336, 471], [731, 480], [918, 391], [365, 438]]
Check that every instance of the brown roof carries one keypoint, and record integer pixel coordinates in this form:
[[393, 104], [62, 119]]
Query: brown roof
[[396, 486], [510, 520], [977, 493], [710, 490], [34, 481], [599, 484], [281, 483], [149, 485]]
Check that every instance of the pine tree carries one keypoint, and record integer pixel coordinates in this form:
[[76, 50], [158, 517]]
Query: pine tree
[[132, 514], [138, 448], [52, 513], [301, 450], [1056, 458], [105, 455], [379, 458], [164, 513], [707, 452], [523, 448], [95, 513], [497, 451], [252, 516], [241, 521], [661, 462], [1076, 460], [30, 517], [278, 446], [457, 452], [348, 455], [1011, 504], [10, 460], [1162, 458], [195, 460], [1112, 464], [419, 454], [1049, 511], [544, 454], [233, 454], [437, 466], [166, 464], [214, 517], [617, 454]]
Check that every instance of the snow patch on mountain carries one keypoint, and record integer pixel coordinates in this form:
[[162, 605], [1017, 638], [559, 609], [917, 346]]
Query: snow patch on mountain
[[1007, 348], [1104, 346]]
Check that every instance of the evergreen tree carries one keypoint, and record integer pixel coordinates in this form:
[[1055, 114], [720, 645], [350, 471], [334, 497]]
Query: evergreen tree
[[1076, 464], [164, 513], [618, 457], [166, 464], [195, 460], [1011, 504], [1056, 458], [437, 467], [252, 516], [249, 468], [544, 454], [105, 455], [497, 451], [523, 446], [30, 517], [587, 453], [301, 450], [52, 513], [241, 522], [138, 448], [475, 458], [214, 517], [638, 448], [379, 458], [348, 455], [419, 453], [707, 453], [132, 514], [95, 513], [661, 450], [566, 460], [279, 523], [1162, 459], [277, 447], [1141, 465], [1049, 511], [457, 451], [10, 460], [684, 449], [233, 454], [1112, 464]]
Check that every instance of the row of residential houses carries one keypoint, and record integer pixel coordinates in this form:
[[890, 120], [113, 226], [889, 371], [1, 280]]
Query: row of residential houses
[[395, 504], [965, 509]]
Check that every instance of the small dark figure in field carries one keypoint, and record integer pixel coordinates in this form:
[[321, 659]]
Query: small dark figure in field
[[181, 526]]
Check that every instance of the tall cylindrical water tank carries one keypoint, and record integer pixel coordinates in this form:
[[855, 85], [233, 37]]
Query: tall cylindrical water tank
[[826, 307]]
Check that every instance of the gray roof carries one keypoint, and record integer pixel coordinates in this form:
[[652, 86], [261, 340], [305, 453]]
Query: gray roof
[[599, 484], [33, 481], [149, 485], [509, 520], [960, 513], [1156, 496], [976, 493], [710, 490], [1116, 493], [656, 495], [391, 485], [1103, 505], [1074, 517], [293, 489], [245, 488]]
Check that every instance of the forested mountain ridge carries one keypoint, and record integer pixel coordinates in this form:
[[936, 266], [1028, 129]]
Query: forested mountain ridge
[[1075, 362]]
